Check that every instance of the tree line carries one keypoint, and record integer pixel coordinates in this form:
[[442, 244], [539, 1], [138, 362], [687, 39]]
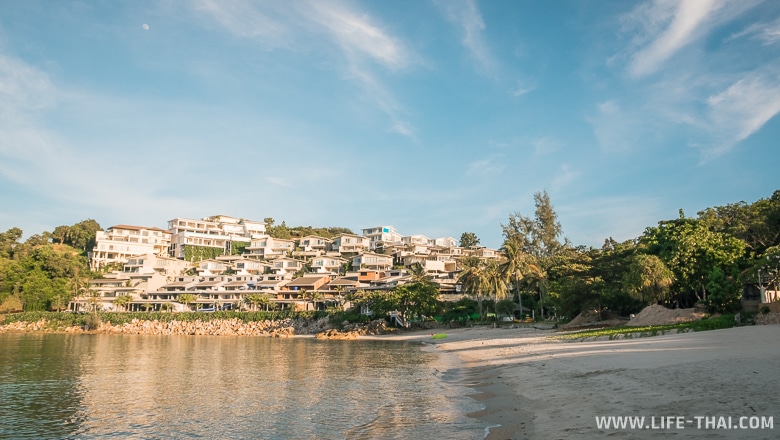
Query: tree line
[[707, 260], [681, 262]]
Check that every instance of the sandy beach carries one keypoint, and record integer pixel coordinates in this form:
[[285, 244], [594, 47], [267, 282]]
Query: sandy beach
[[690, 385]]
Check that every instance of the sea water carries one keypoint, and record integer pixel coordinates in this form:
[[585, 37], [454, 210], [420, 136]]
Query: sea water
[[222, 387]]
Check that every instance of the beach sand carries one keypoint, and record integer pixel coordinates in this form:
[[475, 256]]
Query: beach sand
[[536, 387]]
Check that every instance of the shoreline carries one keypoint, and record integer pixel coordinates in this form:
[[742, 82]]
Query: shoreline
[[534, 387]]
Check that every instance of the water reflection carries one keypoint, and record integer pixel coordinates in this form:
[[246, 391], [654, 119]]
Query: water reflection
[[103, 386], [39, 386]]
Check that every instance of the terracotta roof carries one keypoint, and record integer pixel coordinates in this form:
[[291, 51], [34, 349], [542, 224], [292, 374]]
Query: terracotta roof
[[306, 281]]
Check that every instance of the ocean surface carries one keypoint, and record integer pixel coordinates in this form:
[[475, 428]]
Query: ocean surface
[[56, 386]]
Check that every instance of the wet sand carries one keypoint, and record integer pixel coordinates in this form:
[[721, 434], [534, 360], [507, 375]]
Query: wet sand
[[536, 387]]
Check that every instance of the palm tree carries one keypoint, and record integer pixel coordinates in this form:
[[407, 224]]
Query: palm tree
[[496, 282], [186, 299], [312, 296], [257, 299], [418, 273], [539, 277], [514, 266], [473, 278], [123, 301]]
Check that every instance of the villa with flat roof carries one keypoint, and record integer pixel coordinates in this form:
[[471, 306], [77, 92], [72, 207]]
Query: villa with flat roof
[[150, 267]]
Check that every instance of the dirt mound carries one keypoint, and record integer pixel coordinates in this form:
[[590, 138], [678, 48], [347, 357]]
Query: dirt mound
[[590, 318], [660, 315]]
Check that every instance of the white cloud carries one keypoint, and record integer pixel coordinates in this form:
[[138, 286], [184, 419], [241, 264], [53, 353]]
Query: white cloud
[[768, 33], [685, 19], [242, 18], [739, 111], [663, 28], [357, 33], [403, 128], [23, 88], [489, 166], [466, 15], [363, 47]]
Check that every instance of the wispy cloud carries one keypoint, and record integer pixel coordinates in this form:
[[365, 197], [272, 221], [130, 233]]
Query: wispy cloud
[[683, 23], [739, 111], [243, 19], [663, 28], [365, 49], [466, 15], [767, 33], [489, 166], [23, 88], [403, 128], [358, 33]]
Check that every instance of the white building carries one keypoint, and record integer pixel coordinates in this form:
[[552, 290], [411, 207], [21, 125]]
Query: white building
[[381, 236], [118, 243]]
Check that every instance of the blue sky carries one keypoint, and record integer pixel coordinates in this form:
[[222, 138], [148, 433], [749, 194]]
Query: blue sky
[[437, 117]]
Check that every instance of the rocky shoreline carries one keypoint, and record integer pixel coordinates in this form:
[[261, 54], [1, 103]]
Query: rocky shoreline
[[321, 328]]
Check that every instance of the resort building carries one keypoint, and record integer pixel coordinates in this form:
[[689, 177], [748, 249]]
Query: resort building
[[117, 244], [222, 259], [381, 237], [327, 264], [373, 261], [218, 233], [267, 247], [349, 244]]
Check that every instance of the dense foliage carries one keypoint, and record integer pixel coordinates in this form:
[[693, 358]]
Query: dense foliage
[[39, 275], [681, 262], [706, 260], [288, 232]]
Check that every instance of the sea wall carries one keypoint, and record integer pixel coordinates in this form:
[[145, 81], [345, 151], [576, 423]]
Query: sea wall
[[217, 327]]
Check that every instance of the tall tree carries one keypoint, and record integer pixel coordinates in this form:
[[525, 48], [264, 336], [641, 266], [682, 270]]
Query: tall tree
[[468, 239], [537, 236], [691, 251], [648, 279], [82, 234], [473, 279]]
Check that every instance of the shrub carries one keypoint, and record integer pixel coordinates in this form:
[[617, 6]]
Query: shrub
[[91, 322], [764, 310]]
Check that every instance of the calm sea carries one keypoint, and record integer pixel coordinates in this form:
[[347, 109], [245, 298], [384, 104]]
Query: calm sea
[[128, 386]]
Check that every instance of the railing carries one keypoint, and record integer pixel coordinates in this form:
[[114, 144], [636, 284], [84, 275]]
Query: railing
[[399, 319]]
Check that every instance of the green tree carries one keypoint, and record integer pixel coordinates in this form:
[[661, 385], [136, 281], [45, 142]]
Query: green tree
[[82, 234], [8, 242], [725, 292], [691, 251], [757, 224], [474, 279], [123, 301], [537, 236], [417, 299], [648, 279], [186, 299], [60, 234], [418, 273], [468, 239], [496, 282]]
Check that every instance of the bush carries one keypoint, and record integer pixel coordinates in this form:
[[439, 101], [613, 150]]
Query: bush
[[91, 322], [765, 310]]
